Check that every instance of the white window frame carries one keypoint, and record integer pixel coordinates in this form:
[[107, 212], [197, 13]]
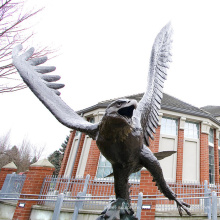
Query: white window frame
[[212, 146], [185, 129], [167, 135], [195, 140]]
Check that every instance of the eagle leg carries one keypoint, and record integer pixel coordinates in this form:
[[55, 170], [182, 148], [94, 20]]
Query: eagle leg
[[119, 208], [150, 162]]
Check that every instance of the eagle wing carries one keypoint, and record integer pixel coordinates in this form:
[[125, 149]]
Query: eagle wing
[[46, 91], [146, 114]]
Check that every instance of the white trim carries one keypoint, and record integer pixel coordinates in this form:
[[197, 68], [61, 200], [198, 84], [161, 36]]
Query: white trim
[[205, 127], [160, 118], [217, 133], [182, 123], [71, 157], [189, 117], [97, 114], [84, 156]]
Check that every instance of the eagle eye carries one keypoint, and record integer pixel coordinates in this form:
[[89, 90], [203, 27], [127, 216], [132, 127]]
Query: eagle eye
[[118, 104]]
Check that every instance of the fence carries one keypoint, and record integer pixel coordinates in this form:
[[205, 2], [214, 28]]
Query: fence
[[12, 185], [95, 195], [97, 191], [192, 193]]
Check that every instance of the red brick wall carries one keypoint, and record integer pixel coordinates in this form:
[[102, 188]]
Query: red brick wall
[[216, 158], [32, 185], [78, 154], [147, 187], [179, 163], [67, 153], [93, 160], [154, 144], [3, 173], [204, 157]]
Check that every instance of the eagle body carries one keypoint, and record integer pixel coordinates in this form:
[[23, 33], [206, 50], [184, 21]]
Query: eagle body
[[119, 143]]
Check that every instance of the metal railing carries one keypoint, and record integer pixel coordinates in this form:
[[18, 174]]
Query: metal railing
[[60, 199], [97, 190], [96, 194], [193, 194], [13, 185]]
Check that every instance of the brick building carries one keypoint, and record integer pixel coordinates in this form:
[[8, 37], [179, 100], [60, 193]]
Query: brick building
[[191, 131]]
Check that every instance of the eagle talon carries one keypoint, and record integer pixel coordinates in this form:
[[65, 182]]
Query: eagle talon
[[116, 210], [183, 206]]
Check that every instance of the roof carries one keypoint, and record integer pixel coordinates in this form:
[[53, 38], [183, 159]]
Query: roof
[[214, 110], [168, 103]]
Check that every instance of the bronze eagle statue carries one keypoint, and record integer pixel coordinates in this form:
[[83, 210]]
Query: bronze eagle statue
[[123, 134]]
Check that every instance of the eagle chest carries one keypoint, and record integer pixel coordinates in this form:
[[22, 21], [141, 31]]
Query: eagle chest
[[114, 133]]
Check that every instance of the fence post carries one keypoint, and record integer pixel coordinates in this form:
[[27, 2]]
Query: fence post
[[209, 205], [214, 205], [58, 206], [79, 204], [139, 205], [205, 195]]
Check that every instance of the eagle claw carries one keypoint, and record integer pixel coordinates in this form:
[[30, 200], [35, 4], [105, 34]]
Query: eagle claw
[[183, 206], [118, 209]]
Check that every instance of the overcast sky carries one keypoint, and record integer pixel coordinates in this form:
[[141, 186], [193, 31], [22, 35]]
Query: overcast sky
[[104, 51]]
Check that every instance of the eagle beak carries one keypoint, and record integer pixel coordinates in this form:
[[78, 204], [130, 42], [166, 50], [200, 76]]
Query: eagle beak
[[134, 103], [127, 110]]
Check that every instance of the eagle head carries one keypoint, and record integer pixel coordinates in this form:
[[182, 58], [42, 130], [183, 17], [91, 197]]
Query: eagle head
[[121, 110]]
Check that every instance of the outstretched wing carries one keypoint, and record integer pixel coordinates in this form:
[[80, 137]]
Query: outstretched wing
[[46, 91], [147, 109]]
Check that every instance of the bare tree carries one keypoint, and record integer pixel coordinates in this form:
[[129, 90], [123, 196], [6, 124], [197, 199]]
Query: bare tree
[[13, 30], [4, 147], [4, 142], [22, 155]]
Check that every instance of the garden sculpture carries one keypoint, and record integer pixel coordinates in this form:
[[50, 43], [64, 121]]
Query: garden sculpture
[[123, 134]]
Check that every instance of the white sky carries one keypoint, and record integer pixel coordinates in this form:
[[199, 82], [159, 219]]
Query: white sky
[[105, 49]]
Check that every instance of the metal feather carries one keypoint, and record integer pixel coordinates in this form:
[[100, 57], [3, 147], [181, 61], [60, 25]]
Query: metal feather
[[47, 92], [150, 103]]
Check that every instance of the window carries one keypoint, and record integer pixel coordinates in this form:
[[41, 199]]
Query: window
[[92, 120], [169, 126], [211, 137], [219, 141], [135, 176], [77, 134], [211, 157], [191, 130], [191, 153], [105, 168], [168, 142]]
